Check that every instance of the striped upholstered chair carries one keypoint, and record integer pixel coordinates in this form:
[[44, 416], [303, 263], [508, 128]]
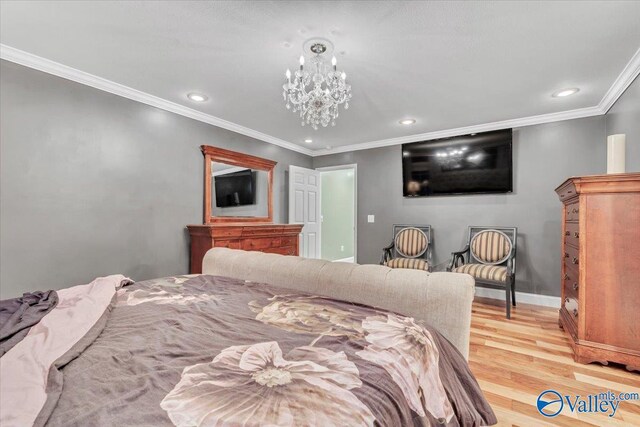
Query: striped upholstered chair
[[490, 257], [410, 248]]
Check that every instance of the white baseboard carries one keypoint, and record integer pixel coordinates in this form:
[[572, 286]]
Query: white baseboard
[[526, 298]]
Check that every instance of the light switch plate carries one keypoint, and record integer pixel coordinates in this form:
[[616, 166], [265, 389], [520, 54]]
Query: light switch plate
[[371, 218]]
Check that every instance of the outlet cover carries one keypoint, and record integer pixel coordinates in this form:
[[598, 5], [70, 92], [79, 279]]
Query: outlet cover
[[371, 218]]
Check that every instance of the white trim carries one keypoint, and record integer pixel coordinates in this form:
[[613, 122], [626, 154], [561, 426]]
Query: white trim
[[38, 63], [353, 166], [338, 167], [526, 298], [622, 82], [625, 78], [504, 124]]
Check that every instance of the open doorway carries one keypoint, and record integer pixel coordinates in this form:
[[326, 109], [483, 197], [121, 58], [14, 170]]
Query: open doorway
[[338, 210]]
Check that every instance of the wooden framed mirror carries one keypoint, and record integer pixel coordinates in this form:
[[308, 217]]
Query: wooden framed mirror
[[237, 187]]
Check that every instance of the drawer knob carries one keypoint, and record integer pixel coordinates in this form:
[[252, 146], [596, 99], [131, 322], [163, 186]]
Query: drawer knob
[[566, 276], [566, 255], [574, 260], [575, 286], [575, 312], [576, 234], [574, 210], [566, 233]]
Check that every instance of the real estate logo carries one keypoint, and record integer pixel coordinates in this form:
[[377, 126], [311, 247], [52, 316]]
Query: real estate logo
[[550, 403]]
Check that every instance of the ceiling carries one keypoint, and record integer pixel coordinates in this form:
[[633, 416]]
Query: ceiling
[[449, 65]]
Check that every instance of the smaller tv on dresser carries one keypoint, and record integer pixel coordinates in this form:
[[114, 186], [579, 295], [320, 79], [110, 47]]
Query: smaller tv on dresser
[[235, 189], [479, 163]]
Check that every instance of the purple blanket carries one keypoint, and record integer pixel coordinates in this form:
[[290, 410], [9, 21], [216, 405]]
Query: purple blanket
[[18, 315]]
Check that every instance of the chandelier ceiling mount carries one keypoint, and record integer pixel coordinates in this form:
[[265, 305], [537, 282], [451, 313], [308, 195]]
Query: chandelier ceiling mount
[[318, 48]]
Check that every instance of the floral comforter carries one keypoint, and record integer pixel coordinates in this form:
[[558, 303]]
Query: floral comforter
[[206, 350]]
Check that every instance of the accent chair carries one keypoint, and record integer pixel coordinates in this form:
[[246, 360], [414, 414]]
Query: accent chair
[[409, 248], [490, 257]]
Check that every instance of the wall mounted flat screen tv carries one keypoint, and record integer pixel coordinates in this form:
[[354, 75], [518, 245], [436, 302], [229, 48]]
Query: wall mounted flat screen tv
[[472, 164], [235, 189]]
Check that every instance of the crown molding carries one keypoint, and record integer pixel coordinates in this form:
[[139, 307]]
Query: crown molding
[[485, 127], [51, 67], [625, 78], [622, 82]]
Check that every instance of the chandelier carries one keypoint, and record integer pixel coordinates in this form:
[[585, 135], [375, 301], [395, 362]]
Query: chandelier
[[316, 94]]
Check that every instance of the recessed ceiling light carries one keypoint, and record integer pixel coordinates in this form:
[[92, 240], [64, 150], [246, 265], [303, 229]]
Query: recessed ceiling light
[[197, 97], [407, 121], [308, 140], [565, 92]]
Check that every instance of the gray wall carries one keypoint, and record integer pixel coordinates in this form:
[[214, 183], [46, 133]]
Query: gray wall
[[624, 117], [544, 156], [94, 184]]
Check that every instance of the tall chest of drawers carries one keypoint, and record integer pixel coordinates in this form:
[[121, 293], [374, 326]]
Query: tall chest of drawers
[[600, 275]]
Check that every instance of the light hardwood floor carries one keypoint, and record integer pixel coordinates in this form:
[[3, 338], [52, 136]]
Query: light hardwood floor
[[515, 360]]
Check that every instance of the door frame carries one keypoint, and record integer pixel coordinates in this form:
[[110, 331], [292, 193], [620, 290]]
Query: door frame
[[353, 166]]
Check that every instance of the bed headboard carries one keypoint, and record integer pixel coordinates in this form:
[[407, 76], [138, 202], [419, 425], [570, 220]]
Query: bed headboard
[[442, 300]]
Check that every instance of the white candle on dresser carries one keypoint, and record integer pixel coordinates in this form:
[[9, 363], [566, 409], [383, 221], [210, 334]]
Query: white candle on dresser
[[615, 153]]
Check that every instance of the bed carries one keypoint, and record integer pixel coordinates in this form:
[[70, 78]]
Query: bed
[[257, 339]]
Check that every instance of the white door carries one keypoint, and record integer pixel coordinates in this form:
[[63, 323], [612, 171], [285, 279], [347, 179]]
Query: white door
[[304, 208]]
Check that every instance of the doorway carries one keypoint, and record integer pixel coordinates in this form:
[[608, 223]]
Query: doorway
[[338, 212]]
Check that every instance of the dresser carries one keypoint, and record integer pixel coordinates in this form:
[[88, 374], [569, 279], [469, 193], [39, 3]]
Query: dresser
[[600, 277], [274, 238], [238, 207]]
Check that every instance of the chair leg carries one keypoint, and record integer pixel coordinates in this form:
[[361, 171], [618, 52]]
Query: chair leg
[[508, 300], [513, 292]]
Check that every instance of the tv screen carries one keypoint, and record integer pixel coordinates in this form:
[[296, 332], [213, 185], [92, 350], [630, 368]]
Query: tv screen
[[235, 189], [471, 164]]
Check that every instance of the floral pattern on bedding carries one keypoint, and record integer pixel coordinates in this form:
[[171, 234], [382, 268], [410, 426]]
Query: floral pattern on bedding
[[256, 382], [211, 351], [402, 347]]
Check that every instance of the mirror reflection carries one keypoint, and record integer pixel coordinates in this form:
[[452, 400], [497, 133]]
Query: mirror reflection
[[238, 191]]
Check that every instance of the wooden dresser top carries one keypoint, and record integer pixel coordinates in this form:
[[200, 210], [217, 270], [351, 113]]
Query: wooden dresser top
[[243, 229], [610, 183]]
